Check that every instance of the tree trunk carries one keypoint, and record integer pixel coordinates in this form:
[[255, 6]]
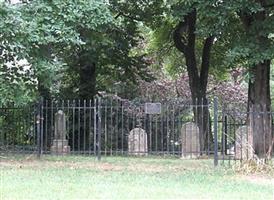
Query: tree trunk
[[202, 119], [87, 91], [197, 79], [87, 74], [259, 105], [43, 91], [259, 102]]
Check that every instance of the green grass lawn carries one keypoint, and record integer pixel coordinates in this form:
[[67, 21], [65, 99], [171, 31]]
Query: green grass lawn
[[73, 177]]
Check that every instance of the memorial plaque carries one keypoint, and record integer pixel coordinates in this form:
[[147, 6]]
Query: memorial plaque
[[153, 108]]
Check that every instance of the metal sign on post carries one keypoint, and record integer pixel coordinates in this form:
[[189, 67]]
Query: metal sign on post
[[153, 108]]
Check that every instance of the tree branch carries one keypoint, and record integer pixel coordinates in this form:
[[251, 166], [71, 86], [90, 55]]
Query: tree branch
[[206, 61], [128, 16], [191, 19], [177, 37]]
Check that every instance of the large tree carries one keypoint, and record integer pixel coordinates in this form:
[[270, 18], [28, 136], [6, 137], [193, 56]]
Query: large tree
[[72, 46], [192, 27], [255, 49]]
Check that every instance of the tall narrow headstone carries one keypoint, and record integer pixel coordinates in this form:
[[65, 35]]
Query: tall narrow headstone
[[243, 143], [190, 140], [137, 142], [60, 143]]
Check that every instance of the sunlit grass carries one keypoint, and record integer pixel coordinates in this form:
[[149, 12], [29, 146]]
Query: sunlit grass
[[77, 177]]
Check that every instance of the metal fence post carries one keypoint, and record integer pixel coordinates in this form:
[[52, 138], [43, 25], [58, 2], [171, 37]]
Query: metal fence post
[[215, 132], [38, 130], [99, 130], [37, 124], [94, 127], [41, 125]]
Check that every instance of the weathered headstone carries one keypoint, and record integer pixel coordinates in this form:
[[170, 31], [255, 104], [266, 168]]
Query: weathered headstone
[[60, 143], [243, 143], [190, 140], [137, 142]]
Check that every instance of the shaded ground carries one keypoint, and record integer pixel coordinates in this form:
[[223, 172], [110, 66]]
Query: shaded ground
[[75, 177]]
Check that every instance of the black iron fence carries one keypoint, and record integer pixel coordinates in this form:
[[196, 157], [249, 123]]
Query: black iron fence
[[18, 129], [113, 126], [245, 134], [119, 127]]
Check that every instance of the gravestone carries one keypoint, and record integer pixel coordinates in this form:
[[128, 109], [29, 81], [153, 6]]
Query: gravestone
[[60, 143], [190, 140], [137, 142], [243, 143]]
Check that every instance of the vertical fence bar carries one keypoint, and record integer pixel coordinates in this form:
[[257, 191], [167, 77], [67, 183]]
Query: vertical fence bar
[[63, 110], [84, 127], [67, 121], [173, 129], [150, 134], [94, 129], [42, 125], [38, 130], [226, 134], [51, 121], [90, 133], [12, 126], [122, 118], [106, 126], [215, 132], [46, 125], [167, 129], [162, 129], [79, 126], [111, 125], [223, 135], [99, 129], [73, 126], [117, 125], [156, 134]]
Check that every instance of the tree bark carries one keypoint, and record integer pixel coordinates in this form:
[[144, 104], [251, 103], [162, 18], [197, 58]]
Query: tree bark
[[259, 101], [259, 106]]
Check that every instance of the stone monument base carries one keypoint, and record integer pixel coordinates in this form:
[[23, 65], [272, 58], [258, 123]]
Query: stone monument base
[[60, 147], [137, 153], [190, 156]]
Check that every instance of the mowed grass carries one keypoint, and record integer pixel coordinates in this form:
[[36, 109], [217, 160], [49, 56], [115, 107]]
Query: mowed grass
[[72, 177]]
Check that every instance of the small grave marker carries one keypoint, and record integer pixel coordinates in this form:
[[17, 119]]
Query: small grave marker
[[190, 140], [137, 142]]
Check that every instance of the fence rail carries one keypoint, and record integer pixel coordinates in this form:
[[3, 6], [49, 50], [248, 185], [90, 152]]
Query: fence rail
[[106, 126]]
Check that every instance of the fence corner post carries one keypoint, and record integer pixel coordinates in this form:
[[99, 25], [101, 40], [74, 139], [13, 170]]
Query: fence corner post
[[215, 132]]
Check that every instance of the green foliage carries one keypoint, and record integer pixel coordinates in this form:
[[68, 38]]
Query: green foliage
[[54, 40], [255, 44]]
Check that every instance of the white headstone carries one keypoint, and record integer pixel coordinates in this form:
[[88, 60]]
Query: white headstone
[[60, 143], [137, 142], [243, 143], [60, 126], [190, 140]]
